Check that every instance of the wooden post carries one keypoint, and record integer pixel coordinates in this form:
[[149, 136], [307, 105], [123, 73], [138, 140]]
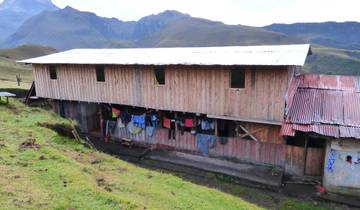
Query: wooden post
[[216, 127], [305, 153]]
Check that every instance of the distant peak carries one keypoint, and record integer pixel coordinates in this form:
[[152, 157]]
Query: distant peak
[[27, 5], [69, 8], [173, 13]]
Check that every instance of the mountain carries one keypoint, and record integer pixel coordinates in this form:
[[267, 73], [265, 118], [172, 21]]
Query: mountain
[[69, 28], [344, 35], [13, 13], [195, 32]]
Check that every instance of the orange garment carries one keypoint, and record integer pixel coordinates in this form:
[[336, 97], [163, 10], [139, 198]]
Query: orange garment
[[115, 112], [166, 123]]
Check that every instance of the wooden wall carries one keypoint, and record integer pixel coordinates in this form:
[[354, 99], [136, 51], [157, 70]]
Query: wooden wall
[[291, 158], [193, 89]]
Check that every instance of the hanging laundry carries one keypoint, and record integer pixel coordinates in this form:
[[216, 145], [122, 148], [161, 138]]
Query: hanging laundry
[[110, 127], [205, 142], [115, 112], [189, 123], [150, 133], [133, 129], [180, 121], [331, 161], [193, 131], [138, 120], [166, 123], [119, 123], [154, 120], [125, 117], [207, 125], [151, 120], [223, 140]]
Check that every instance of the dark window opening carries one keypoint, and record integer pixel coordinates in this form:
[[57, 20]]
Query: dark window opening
[[100, 73], [226, 128], [159, 74], [53, 74], [299, 140], [237, 78]]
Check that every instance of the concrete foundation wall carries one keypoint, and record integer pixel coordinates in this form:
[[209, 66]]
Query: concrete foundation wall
[[344, 175]]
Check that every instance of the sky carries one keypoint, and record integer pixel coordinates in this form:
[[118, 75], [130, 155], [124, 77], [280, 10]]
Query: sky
[[245, 12]]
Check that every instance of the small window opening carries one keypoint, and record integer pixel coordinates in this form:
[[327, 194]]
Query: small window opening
[[53, 74], [100, 73], [226, 128], [237, 78], [159, 74]]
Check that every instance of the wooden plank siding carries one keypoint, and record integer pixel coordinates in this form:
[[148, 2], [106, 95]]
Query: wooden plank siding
[[235, 148], [195, 89], [315, 161]]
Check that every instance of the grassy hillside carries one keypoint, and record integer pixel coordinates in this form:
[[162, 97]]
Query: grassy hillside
[[333, 61], [9, 68], [61, 174], [196, 32], [26, 51]]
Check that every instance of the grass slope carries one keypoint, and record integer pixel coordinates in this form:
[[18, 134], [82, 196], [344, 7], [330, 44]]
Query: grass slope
[[9, 68], [62, 175], [26, 51], [333, 61]]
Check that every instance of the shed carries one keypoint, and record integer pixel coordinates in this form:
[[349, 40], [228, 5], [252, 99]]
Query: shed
[[329, 106]]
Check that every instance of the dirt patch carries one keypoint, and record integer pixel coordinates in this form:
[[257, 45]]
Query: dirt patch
[[102, 183], [29, 144], [2, 144]]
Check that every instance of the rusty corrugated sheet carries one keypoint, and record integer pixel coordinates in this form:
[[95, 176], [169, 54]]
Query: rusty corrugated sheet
[[329, 82], [327, 105]]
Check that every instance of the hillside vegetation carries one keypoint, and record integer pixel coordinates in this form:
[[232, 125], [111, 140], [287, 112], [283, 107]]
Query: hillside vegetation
[[9, 68], [344, 35], [333, 61], [54, 172]]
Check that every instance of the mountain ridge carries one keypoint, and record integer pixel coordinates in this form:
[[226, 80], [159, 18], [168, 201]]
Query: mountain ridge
[[13, 13], [69, 28]]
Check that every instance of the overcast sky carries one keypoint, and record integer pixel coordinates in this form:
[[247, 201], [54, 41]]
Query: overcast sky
[[246, 12]]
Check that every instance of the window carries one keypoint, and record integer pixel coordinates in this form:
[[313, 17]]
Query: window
[[53, 74], [100, 73], [237, 78], [159, 74]]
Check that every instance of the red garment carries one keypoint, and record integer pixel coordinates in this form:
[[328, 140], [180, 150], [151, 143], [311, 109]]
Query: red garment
[[189, 123], [166, 123], [115, 112]]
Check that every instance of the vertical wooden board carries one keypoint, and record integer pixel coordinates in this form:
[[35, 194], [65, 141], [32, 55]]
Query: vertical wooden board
[[315, 161], [192, 89]]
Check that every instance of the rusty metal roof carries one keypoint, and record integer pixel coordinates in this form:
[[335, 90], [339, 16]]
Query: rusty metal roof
[[326, 105]]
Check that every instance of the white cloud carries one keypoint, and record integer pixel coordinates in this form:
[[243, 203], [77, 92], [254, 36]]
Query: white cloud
[[246, 12]]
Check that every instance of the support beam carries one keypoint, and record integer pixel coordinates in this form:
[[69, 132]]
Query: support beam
[[248, 133]]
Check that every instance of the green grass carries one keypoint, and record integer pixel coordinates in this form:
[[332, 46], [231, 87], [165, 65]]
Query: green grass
[[333, 61], [9, 69], [4, 84], [60, 175]]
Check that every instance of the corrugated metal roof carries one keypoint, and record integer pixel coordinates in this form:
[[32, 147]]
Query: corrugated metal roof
[[6, 94], [287, 55], [327, 105]]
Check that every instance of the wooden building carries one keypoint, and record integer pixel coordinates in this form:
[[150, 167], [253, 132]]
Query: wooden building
[[242, 90]]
